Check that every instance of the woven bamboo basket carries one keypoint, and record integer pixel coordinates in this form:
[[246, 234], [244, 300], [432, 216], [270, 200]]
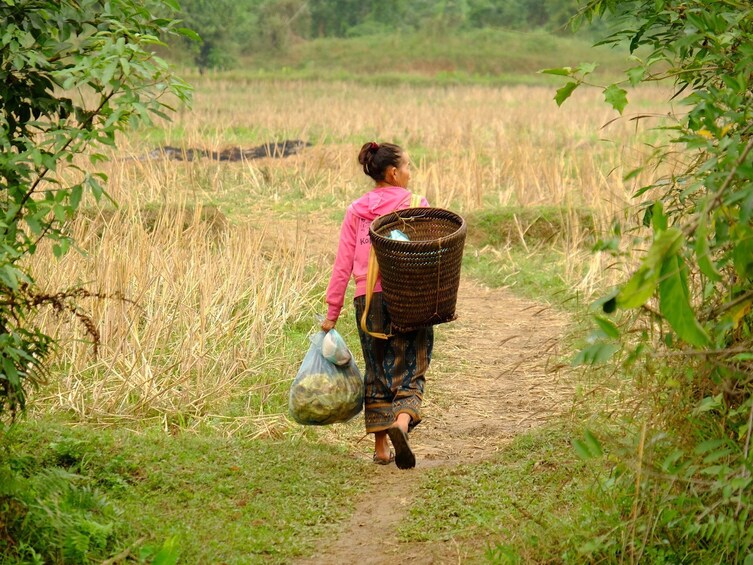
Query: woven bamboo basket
[[420, 277]]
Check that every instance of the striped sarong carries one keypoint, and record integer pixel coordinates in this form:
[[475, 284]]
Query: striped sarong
[[395, 367]]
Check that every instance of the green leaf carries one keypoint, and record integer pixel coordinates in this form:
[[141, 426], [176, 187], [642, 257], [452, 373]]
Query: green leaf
[[616, 97], [587, 68], [702, 251], [61, 248], [608, 327], [581, 449], [658, 218], [635, 75], [595, 354], [565, 92], [168, 553], [708, 445], [587, 448], [644, 281], [193, 36], [593, 444], [742, 254], [34, 225], [77, 192], [9, 276], [11, 373], [708, 404], [674, 302]]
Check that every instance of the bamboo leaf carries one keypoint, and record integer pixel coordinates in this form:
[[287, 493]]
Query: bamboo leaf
[[562, 71], [674, 302], [595, 354], [702, 251], [641, 286], [608, 327]]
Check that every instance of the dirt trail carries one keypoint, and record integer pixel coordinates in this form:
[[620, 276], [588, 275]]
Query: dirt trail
[[504, 345]]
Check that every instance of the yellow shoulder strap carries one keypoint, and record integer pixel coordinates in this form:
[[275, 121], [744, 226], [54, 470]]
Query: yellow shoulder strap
[[371, 279], [373, 273]]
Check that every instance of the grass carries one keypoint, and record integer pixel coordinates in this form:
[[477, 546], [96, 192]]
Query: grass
[[506, 509], [222, 499], [181, 420], [486, 56], [525, 248]]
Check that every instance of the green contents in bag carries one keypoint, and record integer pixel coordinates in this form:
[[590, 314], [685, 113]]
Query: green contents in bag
[[322, 392]]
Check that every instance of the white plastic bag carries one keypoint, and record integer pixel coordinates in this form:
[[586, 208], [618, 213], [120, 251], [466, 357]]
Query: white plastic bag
[[334, 348], [323, 393]]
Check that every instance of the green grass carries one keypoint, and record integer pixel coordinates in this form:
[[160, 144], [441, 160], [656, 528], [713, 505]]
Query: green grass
[[532, 265], [229, 500], [525, 505], [484, 56]]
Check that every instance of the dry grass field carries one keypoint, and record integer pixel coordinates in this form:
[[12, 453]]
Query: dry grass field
[[217, 258]]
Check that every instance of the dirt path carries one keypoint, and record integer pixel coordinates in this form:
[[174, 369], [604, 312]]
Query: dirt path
[[503, 345]]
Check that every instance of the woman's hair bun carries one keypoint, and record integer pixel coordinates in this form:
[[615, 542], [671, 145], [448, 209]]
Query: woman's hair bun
[[375, 158]]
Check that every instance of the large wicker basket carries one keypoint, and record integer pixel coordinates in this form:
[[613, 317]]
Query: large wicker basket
[[420, 277]]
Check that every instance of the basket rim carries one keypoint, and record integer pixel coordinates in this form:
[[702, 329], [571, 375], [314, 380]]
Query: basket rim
[[412, 213]]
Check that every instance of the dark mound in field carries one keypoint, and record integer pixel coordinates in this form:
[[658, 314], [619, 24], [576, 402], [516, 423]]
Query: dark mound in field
[[275, 149]]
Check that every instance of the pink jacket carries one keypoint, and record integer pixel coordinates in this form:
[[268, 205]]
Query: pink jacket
[[353, 249]]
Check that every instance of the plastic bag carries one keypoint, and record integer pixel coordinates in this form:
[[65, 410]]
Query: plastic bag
[[398, 235], [334, 348], [323, 393]]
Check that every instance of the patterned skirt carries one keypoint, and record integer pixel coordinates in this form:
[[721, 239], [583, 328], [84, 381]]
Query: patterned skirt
[[395, 367]]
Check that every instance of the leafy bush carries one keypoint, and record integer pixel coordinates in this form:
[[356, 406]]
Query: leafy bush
[[49, 515], [683, 318], [72, 74]]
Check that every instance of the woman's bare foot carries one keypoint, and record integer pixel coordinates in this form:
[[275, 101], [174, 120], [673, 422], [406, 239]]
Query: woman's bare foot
[[398, 432], [404, 457], [381, 445]]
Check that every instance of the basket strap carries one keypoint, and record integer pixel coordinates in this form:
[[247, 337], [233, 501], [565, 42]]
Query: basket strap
[[371, 278], [373, 273]]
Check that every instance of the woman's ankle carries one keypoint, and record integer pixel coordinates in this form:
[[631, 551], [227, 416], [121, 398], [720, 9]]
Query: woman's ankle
[[403, 421], [381, 446]]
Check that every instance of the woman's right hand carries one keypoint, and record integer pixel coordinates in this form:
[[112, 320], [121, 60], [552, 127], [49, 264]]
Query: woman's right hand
[[328, 325]]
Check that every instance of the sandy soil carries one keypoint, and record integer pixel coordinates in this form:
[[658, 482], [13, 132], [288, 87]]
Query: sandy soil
[[491, 379]]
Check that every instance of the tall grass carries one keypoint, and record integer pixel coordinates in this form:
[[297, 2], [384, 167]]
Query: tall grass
[[217, 258]]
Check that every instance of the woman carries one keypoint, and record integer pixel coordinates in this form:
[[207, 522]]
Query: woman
[[395, 367]]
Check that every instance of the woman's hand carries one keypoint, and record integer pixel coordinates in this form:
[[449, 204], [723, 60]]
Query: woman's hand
[[328, 325]]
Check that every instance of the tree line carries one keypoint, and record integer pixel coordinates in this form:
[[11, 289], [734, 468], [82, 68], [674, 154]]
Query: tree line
[[228, 28]]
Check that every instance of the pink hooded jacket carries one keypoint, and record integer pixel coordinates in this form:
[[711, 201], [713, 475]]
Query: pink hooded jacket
[[353, 250]]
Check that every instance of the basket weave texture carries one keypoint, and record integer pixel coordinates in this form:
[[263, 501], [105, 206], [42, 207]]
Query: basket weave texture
[[420, 277]]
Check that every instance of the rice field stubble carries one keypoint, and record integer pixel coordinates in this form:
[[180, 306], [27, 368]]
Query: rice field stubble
[[220, 260]]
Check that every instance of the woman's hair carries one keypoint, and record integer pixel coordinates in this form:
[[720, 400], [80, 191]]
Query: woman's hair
[[375, 158]]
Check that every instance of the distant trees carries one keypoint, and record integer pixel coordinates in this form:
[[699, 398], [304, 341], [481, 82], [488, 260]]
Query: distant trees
[[223, 27], [229, 27]]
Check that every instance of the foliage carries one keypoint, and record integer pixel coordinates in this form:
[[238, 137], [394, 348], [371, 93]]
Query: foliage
[[221, 28], [205, 498], [53, 510], [690, 297], [72, 74], [230, 29]]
